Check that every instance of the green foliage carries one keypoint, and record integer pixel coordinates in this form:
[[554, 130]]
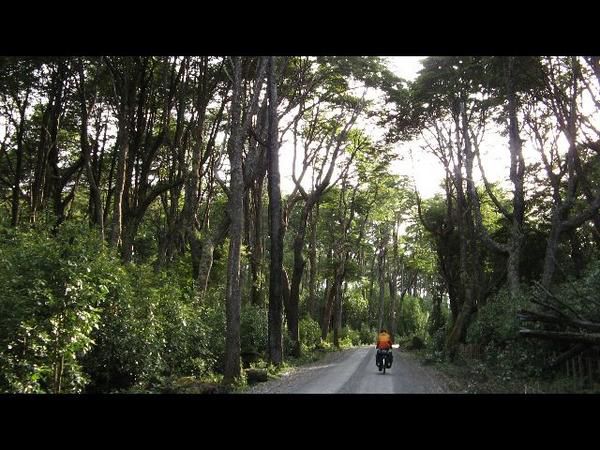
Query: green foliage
[[70, 306], [349, 337], [496, 321], [153, 330], [437, 343], [355, 307], [414, 316], [495, 328], [367, 335], [581, 295], [310, 332], [54, 291], [254, 330]]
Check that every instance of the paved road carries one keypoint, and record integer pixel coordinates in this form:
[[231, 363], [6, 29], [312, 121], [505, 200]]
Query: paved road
[[353, 371]]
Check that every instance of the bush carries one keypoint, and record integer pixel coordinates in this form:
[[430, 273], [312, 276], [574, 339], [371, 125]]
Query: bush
[[496, 321], [254, 332], [129, 343], [54, 290], [367, 335], [438, 339], [353, 336], [496, 328], [153, 330], [310, 332], [287, 343], [414, 317]]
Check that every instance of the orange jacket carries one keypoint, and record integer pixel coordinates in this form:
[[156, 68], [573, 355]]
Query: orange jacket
[[384, 341]]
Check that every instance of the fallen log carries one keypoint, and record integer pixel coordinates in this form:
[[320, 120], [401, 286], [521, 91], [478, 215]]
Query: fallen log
[[532, 316], [586, 338]]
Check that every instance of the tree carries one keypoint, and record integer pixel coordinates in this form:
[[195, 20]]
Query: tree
[[275, 225], [233, 299]]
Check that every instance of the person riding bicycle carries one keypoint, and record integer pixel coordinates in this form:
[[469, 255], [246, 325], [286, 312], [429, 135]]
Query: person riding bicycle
[[384, 342]]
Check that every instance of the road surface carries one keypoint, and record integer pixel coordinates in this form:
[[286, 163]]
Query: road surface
[[353, 371]]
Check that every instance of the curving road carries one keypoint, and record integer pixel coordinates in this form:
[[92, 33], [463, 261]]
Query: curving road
[[353, 371]]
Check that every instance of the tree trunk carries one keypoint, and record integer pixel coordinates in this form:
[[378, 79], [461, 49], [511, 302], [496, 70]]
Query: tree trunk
[[256, 247], [380, 267], [97, 217], [236, 205], [16, 194], [372, 307], [121, 167], [394, 277], [299, 263], [40, 181], [327, 310], [392, 284], [467, 260], [53, 186], [517, 174], [188, 218], [205, 264], [128, 237], [312, 275], [275, 221], [551, 249], [337, 316]]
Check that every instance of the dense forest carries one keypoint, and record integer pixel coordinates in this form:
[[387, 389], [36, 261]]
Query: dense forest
[[146, 235]]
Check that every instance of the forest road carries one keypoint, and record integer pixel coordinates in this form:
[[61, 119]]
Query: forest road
[[353, 371]]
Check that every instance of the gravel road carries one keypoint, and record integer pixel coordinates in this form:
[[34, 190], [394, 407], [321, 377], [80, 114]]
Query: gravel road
[[353, 371]]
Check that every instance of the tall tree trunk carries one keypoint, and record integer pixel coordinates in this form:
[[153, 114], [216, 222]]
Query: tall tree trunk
[[110, 187], [39, 188], [517, 174], [338, 298], [97, 218], [551, 249], [236, 205], [469, 252], [328, 299], [372, 308], [380, 267], [275, 222], [256, 241], [16, 194], [392, 283], [53, 187], [393, 274], [293, 311], [299, 263], [131, 226], [337, 316], [207, 248], [312, 275], [121, 170], [189, 216], [330, 296]]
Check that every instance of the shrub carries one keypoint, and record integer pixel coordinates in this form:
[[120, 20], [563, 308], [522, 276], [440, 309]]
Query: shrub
[[254, 332], [54, 290], [367, 335], [353, 336], [310, 332]]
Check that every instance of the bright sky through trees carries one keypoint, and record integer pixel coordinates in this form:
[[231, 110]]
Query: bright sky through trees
[[411, 160]]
